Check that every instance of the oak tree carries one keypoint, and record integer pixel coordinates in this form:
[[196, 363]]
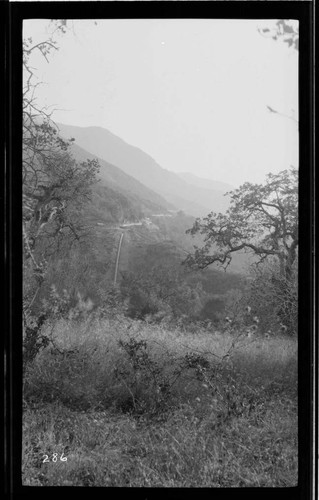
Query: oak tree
[[262, 219], [55, 186]]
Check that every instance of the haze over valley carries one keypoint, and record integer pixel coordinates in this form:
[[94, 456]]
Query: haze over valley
[[160, 251], [135, 189], [195, 196]]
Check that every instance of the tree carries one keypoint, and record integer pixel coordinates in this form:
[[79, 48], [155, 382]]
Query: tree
[[285, 31], [274, 298], [55, 187], [262, 219], [162, 288]]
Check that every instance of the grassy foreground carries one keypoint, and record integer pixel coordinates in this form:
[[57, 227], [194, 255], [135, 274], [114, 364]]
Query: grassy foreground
[[131, 404]]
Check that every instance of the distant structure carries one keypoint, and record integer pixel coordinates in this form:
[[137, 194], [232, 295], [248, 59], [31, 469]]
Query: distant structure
[[118, 258]]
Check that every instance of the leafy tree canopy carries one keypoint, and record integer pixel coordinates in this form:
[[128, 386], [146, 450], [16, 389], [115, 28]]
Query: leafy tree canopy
[[284, 30], [262, 219]]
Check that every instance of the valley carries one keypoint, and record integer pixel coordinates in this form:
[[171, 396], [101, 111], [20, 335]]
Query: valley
[[135, 231], [153, 354], [193, 195]]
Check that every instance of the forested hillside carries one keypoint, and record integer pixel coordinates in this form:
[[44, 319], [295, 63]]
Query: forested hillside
[[194, 199], [128, 187], [154, 237]]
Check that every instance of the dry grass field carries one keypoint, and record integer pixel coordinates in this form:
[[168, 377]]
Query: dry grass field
[[118, 402]]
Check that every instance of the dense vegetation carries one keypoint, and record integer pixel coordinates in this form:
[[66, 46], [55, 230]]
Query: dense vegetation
[[133, 404], [163, 375]]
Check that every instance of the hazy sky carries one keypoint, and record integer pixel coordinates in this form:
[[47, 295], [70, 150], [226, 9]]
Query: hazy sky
[[191, 93]]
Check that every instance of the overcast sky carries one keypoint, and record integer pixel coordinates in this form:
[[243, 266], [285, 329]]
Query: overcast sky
[[191, 93]]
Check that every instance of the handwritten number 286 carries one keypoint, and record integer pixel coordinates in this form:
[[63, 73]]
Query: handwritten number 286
[[54, 458]]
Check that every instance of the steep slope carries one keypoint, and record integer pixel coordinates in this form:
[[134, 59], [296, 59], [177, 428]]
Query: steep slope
[[191, 198], [121, 196]]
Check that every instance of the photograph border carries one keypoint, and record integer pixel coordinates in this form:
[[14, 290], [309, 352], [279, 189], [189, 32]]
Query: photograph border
[[17, 12]]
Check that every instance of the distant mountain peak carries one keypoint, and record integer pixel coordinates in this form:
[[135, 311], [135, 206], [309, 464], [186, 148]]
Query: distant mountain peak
[[205, 182], [193, 195]]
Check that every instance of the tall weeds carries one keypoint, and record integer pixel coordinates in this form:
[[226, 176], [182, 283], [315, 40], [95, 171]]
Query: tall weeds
[[134, 404]]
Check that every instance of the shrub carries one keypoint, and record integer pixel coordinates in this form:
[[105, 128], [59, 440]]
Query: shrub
[[146, 369], [56, 307], [143, 402], [274, 299]]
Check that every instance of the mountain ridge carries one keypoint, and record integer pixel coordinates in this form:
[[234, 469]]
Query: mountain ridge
[[204, 182], [117, 180], [195, 200]]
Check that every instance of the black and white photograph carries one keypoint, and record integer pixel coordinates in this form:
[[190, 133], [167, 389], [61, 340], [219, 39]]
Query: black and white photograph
[[160, 227]]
